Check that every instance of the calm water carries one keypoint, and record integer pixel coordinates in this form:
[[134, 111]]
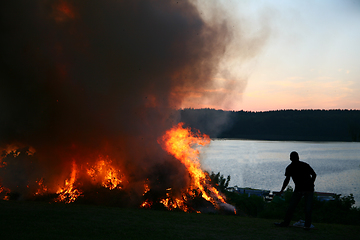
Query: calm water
[[261, 164]]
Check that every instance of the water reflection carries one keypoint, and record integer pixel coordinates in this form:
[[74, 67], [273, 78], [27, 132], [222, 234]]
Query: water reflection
[[261, 164]]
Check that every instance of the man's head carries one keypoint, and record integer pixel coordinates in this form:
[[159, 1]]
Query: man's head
[[294, 156]]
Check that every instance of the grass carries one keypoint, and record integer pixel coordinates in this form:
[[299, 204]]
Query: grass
[[40, 220]]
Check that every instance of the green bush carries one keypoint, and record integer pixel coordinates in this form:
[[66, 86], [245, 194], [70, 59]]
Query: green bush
[[341, 210]]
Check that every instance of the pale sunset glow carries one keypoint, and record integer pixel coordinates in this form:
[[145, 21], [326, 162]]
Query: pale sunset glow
[[307, 57]]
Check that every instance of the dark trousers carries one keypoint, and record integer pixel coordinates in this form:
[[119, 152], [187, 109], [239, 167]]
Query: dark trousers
[[295, 199]]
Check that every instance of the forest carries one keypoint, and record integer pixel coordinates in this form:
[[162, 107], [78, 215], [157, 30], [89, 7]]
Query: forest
[[281, 125]]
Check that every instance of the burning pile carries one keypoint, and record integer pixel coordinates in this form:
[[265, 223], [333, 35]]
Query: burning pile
[[88, 99], [178, 141]]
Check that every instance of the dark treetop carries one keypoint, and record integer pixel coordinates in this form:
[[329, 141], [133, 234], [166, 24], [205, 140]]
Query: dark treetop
[[297, 125]]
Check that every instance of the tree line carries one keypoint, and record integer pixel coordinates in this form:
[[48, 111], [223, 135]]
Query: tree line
[[290, 125]]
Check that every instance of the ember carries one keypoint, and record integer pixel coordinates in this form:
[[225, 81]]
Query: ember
[[42, 188]]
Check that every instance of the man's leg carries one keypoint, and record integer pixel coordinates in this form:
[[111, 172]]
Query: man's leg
[[308, 208], [295, 199]]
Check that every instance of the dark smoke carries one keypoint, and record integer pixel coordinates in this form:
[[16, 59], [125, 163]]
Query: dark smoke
[[86, 78]]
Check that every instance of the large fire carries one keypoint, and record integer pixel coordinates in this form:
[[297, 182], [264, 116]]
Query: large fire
[[89, 92], [179, 142]]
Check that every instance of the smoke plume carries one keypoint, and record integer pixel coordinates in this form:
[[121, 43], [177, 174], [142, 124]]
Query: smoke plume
[[80, 79]]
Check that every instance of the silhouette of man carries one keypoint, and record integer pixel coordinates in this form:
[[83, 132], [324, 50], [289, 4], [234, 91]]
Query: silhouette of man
[[304, 177]]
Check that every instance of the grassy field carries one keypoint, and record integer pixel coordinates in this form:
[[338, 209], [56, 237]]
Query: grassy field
[[39, 220]]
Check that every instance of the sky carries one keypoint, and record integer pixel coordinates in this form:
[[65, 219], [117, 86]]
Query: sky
[[306, 56]]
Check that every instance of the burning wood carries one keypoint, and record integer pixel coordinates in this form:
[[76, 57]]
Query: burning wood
[[69, 193], [180, 142], [106, 174]]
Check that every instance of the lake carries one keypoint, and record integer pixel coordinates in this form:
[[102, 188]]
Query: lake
[[261, 164]]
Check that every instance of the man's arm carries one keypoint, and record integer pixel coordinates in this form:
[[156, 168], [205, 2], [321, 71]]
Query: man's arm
[[286, 182], [313, 175]]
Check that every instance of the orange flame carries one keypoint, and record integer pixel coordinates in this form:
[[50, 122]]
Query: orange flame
[[102, 172], [69, 193], [4, 191], [181, 143], [146, 204], [42, 188], [174, 203], [106, 174], [147, 188]]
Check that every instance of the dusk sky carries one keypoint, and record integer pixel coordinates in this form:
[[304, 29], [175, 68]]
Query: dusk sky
[[303, 55]]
